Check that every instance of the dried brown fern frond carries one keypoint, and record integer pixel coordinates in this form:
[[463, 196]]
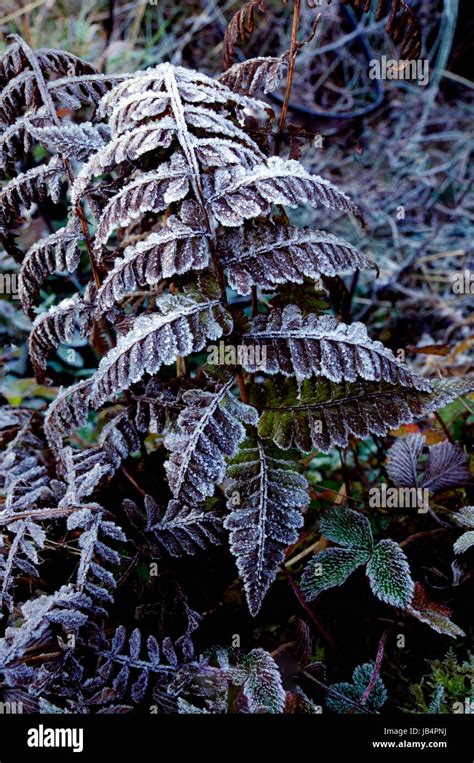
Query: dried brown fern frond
[[402, 24], [240, 28]]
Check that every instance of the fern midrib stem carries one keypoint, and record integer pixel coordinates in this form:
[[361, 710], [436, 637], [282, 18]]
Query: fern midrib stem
[[263, 514], [190, 155], [189, 152], [187, 454]]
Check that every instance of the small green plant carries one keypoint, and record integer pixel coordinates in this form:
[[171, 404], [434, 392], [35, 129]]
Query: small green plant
[[448, 687]]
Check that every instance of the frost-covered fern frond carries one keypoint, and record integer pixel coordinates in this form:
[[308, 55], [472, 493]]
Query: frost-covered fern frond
[[256, 75], [131, 666], [63, 608], [210, 428], [58, 326], [19, 70], [149, 111], [30, 187], [183, 529], [67, 412], [83, 471], [265, 495], [270, 254], [323, 414], [182, 324], [228, 681], [58, 252], [240, 194], [302, 346], [181, 245], [71, 140], [93, 575], [27, 488]]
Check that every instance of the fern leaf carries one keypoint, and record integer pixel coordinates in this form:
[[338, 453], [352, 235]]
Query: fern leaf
[[239, 194], [126, 148], [93, 576], [129, 665], [19, 93], [268, 255], [297, 345], [83, 471], [240, 28], [149, 94], [186, 530], [177, 248], [150, 192], [50, 60], [70, 139], [119, 438], [171, 98], [30, 187], [16, 140], [321, 414], [18, 82], [56, 326], [209, 429], [84, 90], [389, 574], [22, 556], [64, 608], [67, 412], [402, 24], [262, 74], [265, 495], [182, 325], [151, 407], [58, 252]]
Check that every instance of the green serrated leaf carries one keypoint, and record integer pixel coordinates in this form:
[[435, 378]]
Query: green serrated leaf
[[330, 568], [348, 528], [354, 691], [389, 574]]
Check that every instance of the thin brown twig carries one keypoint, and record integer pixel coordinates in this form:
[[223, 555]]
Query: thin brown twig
[[291, 65], [444, 427], [132, 480]]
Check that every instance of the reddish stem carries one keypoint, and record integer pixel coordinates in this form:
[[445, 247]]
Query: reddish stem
[[307, 609], [377, 666]]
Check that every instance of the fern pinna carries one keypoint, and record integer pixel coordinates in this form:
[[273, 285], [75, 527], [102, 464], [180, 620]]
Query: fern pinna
[[177, 215]]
